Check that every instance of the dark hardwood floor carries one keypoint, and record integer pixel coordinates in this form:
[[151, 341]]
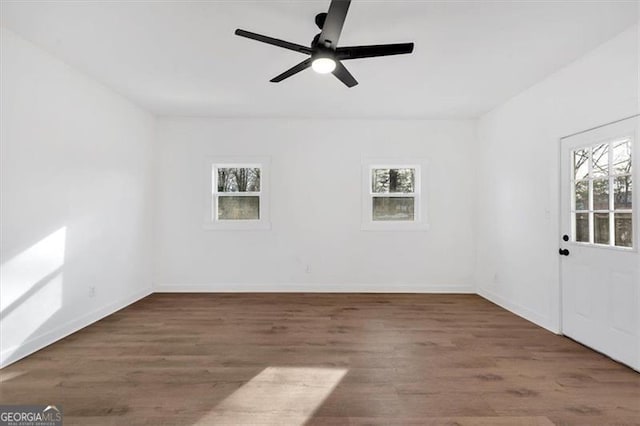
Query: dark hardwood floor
[[322, 359]]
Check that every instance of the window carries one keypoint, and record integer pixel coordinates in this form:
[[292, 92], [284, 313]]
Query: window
[[602, 194], [238, 195], [392, 198]]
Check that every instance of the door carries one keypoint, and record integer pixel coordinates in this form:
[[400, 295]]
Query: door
[[600, 262]]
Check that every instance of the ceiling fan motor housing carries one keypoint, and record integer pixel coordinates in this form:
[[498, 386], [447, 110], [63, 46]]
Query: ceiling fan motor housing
[[323, 52]]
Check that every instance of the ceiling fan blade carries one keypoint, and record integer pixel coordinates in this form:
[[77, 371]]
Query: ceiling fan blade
[[293, 70], [273, 41], [333, 23], [344, 75], [357, 52]]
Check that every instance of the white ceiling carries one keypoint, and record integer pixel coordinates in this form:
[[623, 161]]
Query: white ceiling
[[182, 58]]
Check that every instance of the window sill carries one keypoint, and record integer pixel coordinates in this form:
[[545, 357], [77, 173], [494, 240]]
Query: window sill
[[395, 226], [239, 225]]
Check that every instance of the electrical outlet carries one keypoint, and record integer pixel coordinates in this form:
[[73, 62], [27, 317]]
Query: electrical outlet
[[92, 291], [308, 269]]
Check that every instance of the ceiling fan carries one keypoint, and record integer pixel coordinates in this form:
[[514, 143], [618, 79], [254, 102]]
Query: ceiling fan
[[325, 55]]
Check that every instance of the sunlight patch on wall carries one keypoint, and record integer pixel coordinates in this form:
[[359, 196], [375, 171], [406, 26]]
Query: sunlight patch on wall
[[278, 395], [30, 291], [20, 273]]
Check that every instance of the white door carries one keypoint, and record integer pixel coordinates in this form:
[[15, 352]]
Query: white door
[[600, 266]]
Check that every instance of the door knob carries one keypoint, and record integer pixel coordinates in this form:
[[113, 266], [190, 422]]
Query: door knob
[[564, 252], [565, 238]]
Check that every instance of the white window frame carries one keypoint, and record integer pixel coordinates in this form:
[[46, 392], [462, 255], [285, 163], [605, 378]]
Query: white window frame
[[419, 222], [211, 221], [591, 211]]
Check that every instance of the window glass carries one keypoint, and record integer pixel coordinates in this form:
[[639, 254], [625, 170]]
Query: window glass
[[622, 157], [622, 193], [623, 229], [601, 228], [600, 160], [238, 196], [582, 227], [603, 194], [238, 208], [239, 179], [391, 195], [581, 164], [393, 208], [393, 180], [582, 195]]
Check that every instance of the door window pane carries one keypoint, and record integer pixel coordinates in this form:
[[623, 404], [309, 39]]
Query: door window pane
[[238, 208], [624, 230], [622, 193], [393, 180], [240, 179], [582, 195], [600, 160], [601, 228], [581, 164], [601, 194], [582, 227], [393, 208], [622, 157]]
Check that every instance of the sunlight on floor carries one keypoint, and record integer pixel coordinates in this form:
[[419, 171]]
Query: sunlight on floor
[[6, 376], [278, 395], [30, 291]]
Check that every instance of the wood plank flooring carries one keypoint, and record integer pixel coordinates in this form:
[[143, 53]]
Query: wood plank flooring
[[322, 359]]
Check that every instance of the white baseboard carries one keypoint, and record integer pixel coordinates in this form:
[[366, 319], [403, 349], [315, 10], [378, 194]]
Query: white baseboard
[[311, 288], [13, 354], [521, 311]]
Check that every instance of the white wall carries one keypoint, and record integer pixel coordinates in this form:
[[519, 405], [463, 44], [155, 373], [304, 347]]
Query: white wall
[[76, 200], [315, 208], [517, 202]]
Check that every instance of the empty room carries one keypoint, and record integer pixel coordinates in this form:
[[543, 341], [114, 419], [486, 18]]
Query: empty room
[[322, 212]]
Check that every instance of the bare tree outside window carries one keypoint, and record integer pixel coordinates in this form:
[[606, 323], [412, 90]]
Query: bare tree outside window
[[393, 180], [239, 179]]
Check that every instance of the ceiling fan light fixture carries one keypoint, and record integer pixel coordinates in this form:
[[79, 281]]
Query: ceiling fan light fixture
[[323, 65]]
